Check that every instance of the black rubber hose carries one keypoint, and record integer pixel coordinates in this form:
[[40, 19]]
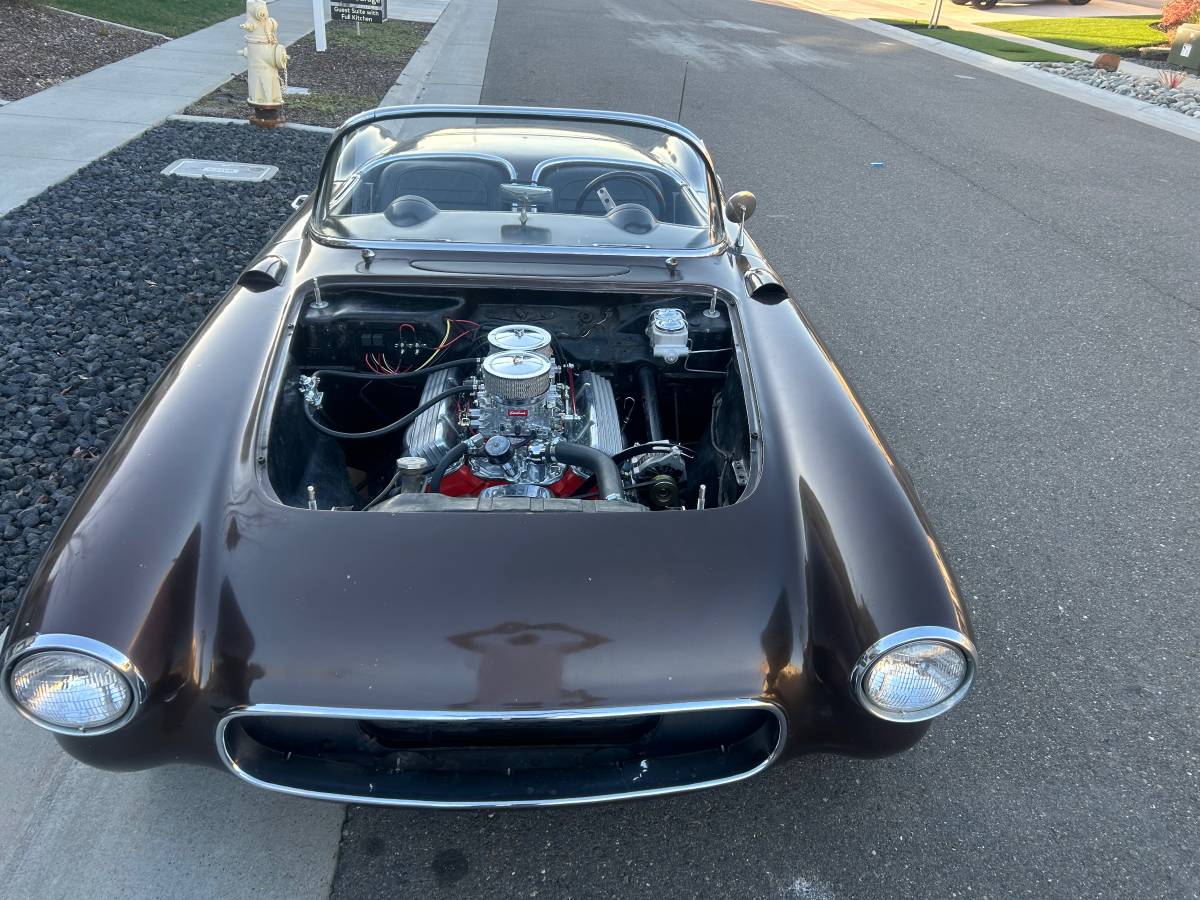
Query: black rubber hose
[[599, 463], [386, 429], [399, 376], [650, 403], [454, 455]]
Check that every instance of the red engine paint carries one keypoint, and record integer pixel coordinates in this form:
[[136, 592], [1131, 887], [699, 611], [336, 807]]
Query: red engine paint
[[462, 482]]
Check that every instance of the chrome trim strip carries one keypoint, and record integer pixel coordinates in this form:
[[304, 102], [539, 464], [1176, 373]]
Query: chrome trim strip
[[87, 647], [533, 112], [270, 709], [562, 251], [907, 636]]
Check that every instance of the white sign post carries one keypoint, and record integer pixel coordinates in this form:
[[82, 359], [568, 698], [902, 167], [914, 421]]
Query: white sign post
[[319, 24], [935, 14]]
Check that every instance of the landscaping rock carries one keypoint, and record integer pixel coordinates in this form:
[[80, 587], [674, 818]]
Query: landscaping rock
[[1109, 62], [1184, 99], [42, 47], [93, 308]]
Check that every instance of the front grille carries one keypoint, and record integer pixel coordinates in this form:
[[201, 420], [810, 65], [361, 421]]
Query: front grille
[[499, 759]]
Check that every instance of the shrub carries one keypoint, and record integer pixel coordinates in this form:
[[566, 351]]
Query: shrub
[[1178, 12], [1171, 79]]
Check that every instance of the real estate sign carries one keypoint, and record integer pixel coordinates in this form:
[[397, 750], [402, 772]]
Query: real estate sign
[[357, 11]]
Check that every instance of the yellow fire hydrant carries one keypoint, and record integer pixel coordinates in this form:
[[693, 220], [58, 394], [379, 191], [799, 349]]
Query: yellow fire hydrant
[[267, 65]]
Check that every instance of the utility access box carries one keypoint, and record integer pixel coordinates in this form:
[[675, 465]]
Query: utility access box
[[1185, 49]]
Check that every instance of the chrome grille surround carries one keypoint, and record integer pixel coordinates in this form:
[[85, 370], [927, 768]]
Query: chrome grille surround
[[540, 716]]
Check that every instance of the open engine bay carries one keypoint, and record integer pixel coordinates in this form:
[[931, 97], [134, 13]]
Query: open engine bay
[[397, 400]]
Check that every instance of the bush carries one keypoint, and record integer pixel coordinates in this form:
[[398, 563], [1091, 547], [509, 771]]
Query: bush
[[1178, 12]]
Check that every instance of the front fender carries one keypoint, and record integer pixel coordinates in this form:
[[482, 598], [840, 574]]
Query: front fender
[[873, 564]]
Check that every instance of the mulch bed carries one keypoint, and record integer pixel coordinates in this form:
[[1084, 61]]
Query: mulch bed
[[352, 75], [149, 256], [41, 47]]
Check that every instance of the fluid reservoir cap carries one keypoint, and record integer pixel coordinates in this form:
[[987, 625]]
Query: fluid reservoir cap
[[668, 320], [529, 338], [410, 465], [498, 447]]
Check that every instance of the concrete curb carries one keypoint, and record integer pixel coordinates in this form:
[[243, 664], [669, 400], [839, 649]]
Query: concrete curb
[[1146, 113], [450, 65], [223, 120], [1127, 66], [165, 37]]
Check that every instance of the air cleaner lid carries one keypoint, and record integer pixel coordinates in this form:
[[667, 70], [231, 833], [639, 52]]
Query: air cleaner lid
[[529, 338], [516, 366]]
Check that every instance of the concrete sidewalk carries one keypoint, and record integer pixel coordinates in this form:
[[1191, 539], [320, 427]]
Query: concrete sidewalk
[[416, 10], [52, 134], [449, 66], [75, 833]]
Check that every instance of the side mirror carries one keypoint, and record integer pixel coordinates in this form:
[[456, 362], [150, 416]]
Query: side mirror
[[740, 207], [299, 201]]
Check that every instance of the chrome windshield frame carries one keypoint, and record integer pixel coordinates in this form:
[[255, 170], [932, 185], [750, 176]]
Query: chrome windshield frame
[[550, 114]]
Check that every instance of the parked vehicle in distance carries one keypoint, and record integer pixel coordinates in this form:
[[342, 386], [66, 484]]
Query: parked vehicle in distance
[[988, 4], [507, 474]]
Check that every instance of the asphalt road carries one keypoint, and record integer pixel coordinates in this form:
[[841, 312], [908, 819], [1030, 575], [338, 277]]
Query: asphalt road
[[1014, 294]]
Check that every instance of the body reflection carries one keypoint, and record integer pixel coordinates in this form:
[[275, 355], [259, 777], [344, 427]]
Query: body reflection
[[521, 664]]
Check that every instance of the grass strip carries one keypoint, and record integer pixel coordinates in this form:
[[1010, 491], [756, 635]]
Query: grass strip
[[170, 17], [984, 43], [1117, 33]]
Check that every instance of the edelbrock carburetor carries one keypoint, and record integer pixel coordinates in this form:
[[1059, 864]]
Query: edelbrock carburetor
[[522, 403]]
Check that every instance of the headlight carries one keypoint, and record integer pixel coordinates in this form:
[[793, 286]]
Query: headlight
[[915, 674], [71, 691]]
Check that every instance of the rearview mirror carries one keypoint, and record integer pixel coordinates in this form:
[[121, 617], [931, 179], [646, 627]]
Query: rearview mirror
[[740, 206]]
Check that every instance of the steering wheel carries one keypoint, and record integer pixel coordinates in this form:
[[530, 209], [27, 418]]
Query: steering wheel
[[598, 183]]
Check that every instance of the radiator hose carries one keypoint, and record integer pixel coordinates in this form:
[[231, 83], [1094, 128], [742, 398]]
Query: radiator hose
[[453, 455], [599, 463]]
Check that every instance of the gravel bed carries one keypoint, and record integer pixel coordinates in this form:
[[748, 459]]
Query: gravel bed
[[352, 75], [102, 279], [41, 47], [1150, 90]]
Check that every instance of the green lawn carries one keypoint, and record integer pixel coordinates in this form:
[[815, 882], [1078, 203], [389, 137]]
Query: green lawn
[[982, 42], [169, 17], [1088, 34]]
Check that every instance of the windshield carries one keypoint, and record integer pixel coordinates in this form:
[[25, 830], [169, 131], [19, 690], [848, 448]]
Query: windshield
[[536, 181]]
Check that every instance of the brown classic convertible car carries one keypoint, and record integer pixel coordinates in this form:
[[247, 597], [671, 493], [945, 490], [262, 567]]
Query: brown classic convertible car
[[507, 474]]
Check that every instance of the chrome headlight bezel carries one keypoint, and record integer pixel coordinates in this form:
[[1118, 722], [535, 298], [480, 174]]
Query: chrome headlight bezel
[[897, 639], [83, 646]]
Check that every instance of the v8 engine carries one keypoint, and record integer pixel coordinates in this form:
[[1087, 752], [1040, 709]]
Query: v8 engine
[[523, 403]]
